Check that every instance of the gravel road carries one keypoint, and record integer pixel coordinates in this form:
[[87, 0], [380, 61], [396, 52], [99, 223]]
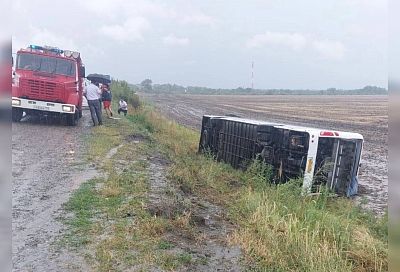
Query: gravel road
[[47, 165]]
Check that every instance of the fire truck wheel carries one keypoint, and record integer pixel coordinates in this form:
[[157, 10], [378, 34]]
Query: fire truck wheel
[[72, 119], [80, 114], [17, 114]]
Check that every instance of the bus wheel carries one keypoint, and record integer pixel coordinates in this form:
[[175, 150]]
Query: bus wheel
[[204, 140], [17, 114], [72, 119]]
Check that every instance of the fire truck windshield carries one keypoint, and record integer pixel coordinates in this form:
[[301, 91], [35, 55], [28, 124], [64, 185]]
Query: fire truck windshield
[[52, 65]]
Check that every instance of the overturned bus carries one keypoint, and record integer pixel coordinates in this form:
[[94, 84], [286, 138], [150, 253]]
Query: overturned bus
[[320, 157]]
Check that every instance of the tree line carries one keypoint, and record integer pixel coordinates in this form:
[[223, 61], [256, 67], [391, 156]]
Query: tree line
[[148, 87]]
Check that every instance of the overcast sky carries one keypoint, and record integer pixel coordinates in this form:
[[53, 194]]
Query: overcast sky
[[298, 44]]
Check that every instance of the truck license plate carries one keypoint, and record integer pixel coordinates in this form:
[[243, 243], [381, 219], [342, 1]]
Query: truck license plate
[[41, 107]]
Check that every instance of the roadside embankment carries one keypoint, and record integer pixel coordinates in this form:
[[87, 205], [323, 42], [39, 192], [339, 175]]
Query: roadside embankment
[[163, 206]]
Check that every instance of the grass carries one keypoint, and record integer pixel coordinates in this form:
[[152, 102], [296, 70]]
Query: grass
[[173, 261], [165, 245], [314, 232], [107, 217], [84, 203], [277, 228]]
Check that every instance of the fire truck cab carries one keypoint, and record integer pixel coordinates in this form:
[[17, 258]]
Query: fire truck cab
[[48, 81]]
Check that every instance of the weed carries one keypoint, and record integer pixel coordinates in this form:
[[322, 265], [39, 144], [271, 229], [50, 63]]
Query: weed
[[142, 122], [184, 258], [173, 261], [84, 204], [165, 245]]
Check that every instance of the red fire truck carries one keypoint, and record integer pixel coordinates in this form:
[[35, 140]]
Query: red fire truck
[[48, 81]]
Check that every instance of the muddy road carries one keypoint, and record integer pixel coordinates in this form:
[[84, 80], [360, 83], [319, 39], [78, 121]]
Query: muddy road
[[367, 115], [47, 165]]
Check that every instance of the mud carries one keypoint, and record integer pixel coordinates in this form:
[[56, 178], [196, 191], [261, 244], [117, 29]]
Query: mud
[[367, 115], [47, 166], [206, 240]]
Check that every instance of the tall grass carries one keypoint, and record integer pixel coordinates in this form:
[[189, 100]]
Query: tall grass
[[279, 229], [289, 232]]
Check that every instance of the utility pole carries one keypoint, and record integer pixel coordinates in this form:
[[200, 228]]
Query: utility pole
[[252, 75]]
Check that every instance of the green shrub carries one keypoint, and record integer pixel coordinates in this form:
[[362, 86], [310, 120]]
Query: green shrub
[[122, 90]]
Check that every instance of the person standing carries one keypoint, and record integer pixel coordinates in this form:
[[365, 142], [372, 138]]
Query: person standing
[[93, 94], [123, 107], [106, 97]]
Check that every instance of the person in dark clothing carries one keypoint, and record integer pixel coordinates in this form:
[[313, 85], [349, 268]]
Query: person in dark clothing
[[106, 97]]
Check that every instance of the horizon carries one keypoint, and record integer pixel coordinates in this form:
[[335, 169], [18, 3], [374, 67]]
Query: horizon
[[255, 89]]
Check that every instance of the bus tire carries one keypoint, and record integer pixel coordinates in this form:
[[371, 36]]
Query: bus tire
[[204, 139]]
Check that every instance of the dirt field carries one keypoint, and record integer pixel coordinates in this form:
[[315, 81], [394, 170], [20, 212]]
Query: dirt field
[[367, 115]]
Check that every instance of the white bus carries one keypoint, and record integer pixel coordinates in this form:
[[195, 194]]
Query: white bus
[[320, 157]]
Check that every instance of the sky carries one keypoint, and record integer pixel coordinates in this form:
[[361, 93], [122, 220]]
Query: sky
[[294, 44]]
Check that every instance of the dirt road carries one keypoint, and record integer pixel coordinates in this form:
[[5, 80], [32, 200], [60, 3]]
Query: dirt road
[[367, 115], [46, 167]]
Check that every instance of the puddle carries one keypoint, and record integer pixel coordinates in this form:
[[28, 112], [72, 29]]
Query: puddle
[[136, 138]]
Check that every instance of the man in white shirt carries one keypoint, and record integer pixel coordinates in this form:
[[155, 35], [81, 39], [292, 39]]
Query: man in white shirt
[[93, 94], [123, 107]]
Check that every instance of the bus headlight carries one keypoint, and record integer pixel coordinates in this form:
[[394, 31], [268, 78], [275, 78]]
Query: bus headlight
[[67, 108], [16, 102]]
